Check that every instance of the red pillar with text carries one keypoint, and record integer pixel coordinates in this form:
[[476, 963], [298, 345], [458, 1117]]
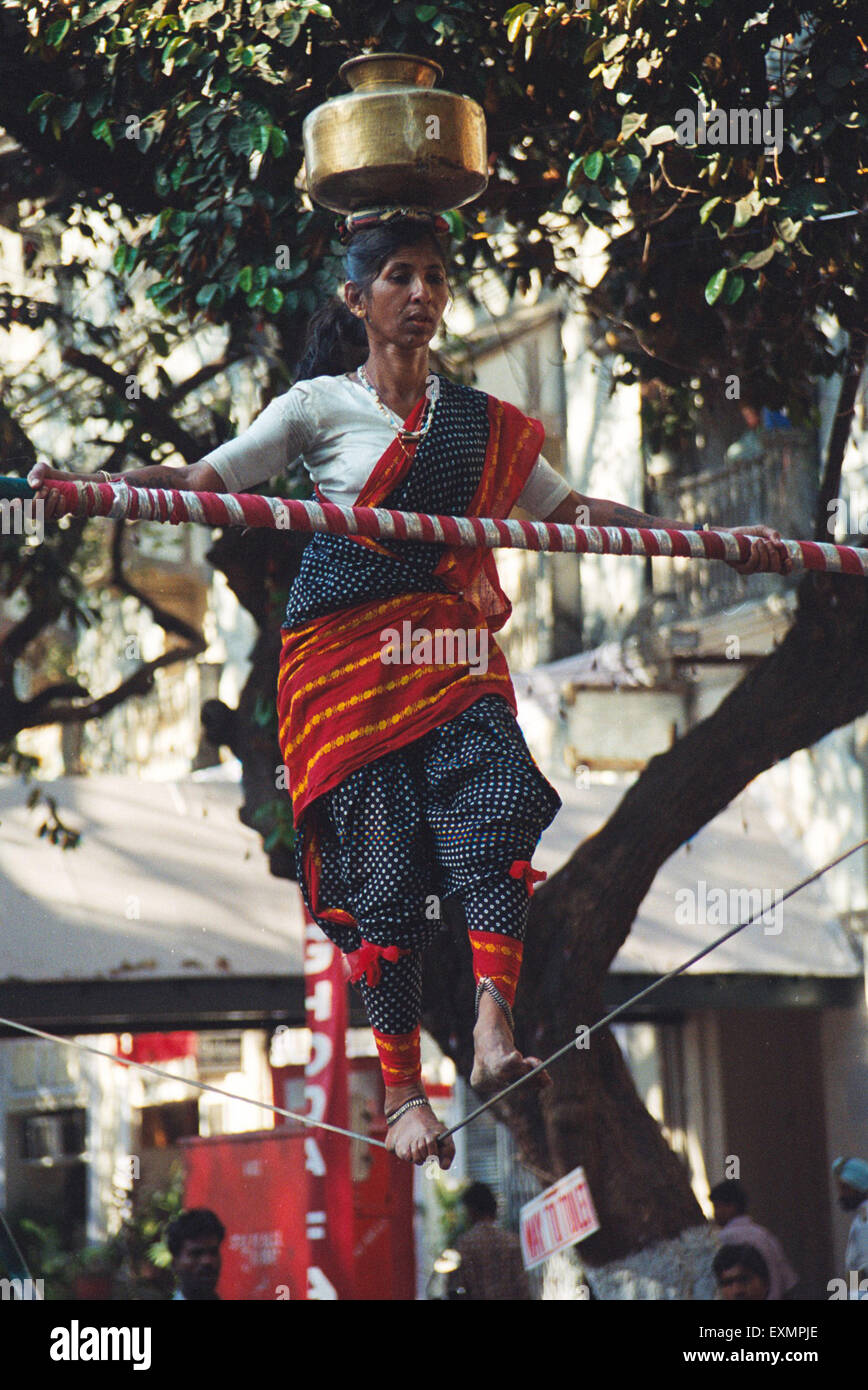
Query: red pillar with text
[[327, 1156]]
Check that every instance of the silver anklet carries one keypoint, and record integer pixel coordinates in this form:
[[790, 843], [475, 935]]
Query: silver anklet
[[487, 986], [402, 1109]]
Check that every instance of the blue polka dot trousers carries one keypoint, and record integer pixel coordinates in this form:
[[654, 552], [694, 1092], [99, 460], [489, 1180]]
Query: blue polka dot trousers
[[445, 817]]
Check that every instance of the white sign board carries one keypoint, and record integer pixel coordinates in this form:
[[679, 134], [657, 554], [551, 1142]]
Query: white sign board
[[557, 1218]]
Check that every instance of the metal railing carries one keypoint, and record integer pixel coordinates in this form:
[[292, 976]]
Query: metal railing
[[777, 488]]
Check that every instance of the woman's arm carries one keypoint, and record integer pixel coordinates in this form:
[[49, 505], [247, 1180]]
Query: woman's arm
[[767, 553], [196, 477]]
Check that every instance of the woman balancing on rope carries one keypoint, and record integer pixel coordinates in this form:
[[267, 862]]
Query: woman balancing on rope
[[411, 783]]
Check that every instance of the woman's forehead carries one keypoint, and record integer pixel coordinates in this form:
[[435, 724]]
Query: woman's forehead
[[422, 254]]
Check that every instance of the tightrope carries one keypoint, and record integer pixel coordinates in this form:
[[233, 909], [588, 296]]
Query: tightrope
[[643, 993], [120, 501], [188, 1081], [493, 1100]]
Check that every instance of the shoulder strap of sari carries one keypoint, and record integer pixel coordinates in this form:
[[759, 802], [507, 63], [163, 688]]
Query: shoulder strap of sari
[[514, 443], [390, 469]]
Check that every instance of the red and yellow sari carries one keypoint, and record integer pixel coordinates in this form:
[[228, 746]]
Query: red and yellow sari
[[339, 705]]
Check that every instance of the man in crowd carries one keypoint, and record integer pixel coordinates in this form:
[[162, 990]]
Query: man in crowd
[[490, 1267], [851, 1175], [194, 1239], [729, 1200], [742, 1274]]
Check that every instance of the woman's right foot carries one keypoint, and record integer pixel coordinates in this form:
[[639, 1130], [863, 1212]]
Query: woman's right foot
[[496, 1060], [413, 1138]]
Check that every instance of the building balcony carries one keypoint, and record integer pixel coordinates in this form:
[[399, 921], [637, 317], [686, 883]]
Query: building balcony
[[770, 477]]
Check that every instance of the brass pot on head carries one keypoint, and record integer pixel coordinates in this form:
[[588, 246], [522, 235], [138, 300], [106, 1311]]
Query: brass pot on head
[[394, 140]]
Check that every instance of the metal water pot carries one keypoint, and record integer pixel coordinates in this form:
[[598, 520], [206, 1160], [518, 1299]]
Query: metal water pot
[[394, 140]]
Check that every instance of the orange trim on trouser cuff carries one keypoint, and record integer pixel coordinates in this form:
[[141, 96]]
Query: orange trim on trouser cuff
[[400, 1056], [498, 957]]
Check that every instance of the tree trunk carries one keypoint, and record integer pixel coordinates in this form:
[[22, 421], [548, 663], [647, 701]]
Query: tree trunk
[[653, 1241]]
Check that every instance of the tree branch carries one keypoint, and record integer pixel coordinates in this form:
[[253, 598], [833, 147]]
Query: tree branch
[[153, 414]]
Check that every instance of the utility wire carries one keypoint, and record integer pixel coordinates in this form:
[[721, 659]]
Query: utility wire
[[480, 1110], [643, 994]]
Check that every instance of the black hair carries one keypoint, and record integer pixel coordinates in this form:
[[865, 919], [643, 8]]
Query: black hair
[[480, 1200], [732, 1193], [193, 1225], [336, 340], [728, 1256]]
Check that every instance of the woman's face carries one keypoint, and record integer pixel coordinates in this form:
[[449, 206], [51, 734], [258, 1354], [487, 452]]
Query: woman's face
[[406, 301]]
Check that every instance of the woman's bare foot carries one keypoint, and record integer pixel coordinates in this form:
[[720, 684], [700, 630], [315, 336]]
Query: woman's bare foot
[[497, 1061], [414, 1137]]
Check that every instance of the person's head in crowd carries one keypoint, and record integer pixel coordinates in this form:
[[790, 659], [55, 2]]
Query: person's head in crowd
[[851, 1175], [194, 1239], [742, 1274], [480, 1203], [729, 1200]]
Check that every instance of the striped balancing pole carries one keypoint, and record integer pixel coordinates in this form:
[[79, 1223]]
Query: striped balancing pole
[[119, 500]]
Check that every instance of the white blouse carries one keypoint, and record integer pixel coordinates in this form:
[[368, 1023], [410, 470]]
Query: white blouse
[[333, 425]]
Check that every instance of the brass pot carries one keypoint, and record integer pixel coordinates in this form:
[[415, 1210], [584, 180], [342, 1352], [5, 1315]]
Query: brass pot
[[394, 140]]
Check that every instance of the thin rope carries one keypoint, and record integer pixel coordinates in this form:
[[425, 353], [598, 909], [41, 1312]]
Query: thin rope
[[188, 1081], [643, 994], [480, 1110], [119, 500]]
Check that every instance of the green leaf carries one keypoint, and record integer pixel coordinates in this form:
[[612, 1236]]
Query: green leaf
[[245, 279], [660, 136], [290, 28], [614, 46], [514, 18], [707, 208], [757, 259], [57, 32], [628, 167], [574, 168], [101, 130], [273, 300], [208, 294], [592, 165], [789, 229], [734, 289], [632, 121], [172, 47], [241, 138], [714, 288], [44, 99], [278, 142], [70, 114], [426, 12], [747, 208]]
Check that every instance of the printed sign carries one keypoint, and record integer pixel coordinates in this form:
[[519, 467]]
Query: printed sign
[[557, 1218]]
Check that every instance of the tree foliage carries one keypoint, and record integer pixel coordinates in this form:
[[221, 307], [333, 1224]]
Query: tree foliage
[[179, 125], [191, 116]]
